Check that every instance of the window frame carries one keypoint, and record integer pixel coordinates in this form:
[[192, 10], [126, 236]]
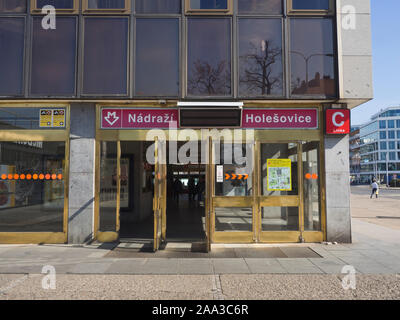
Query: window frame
[[291, 11], [38, 11], [221, 12], [87, 10]]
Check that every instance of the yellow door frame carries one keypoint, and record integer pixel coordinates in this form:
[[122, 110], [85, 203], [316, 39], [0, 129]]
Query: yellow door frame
[[48, 135]]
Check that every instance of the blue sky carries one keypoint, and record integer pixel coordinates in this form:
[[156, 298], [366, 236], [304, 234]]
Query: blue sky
[[386, 59]]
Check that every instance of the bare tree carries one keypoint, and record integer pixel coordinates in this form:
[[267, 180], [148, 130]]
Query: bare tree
[[210, 80], [258, 68]]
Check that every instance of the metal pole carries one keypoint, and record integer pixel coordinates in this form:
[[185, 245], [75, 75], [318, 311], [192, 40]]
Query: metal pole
[[387, 169]]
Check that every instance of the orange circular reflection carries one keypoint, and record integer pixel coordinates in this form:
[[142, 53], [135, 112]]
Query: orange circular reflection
[[47, 176], [41, 176], [60, 176], [22, 177], [308, 176], [315, 176], [16, 176], [29, 176], [4, 176], [54, 176], [35, 176], [10, 176]]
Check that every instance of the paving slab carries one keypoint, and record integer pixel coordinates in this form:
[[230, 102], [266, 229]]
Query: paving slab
[[269, 266], [195, 266], [234, 266]]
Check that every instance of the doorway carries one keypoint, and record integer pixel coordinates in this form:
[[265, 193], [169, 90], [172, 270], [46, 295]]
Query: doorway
[[159, 202]]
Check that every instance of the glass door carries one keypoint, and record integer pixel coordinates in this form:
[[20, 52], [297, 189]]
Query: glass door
[[160, 187], [280, 188], [233, 193]]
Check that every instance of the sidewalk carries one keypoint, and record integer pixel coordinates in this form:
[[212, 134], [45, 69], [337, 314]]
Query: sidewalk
[[91, 272]]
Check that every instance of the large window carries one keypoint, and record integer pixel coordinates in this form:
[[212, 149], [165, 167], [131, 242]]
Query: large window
[[53, 58], [260, 57], [162, 49], [312, 57], [157, 57], [11, 58], [32, 186], [209, 57], [105, 56]]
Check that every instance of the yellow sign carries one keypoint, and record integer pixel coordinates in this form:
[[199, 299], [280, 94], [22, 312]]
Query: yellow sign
[[279, 175], [46, 118], [52, 118], [58, 118]]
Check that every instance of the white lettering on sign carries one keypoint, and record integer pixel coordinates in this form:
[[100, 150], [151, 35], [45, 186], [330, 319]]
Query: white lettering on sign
[[251, 118], [111, 118], [334, 117]]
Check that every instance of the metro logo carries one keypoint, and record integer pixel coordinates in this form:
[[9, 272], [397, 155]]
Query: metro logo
[[337, 121]]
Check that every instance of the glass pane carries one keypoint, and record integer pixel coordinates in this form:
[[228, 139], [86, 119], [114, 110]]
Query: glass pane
[[310, 4], [209, 4], [108, 186], [234, 163], [58, 4], [209, 57], [32, 186], [312, 57], [14, 6], [260, 61], [157, 57], [233, 219], [260, 6], [280, 218], [106, 4], [53, 58], [158, 6], [105, 56], [286, 151], [30, 118], [12, 59], [311, 180]]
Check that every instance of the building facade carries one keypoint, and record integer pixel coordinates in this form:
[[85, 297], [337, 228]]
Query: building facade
[[380, 147], [94, 98]]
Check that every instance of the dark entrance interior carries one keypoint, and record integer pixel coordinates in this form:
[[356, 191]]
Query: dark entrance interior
[[185, 198]]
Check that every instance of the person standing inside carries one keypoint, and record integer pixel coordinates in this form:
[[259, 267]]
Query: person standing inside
[[375, 188]]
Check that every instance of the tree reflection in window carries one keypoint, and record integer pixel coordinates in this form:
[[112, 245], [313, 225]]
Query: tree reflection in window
[[260, 46], [209, 57]]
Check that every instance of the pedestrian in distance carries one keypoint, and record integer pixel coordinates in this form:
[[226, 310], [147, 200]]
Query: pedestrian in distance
[[375, 189]]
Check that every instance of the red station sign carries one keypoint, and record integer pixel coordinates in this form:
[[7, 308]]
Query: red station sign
[[337, 121]]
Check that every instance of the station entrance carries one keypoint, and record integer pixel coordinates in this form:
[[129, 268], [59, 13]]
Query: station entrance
[[258, 191]]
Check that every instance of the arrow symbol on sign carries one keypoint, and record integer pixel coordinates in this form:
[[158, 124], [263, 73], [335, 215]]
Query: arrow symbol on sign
[[111, 118], [227, 176], [240, 176], [246, 176], [234, 176]]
